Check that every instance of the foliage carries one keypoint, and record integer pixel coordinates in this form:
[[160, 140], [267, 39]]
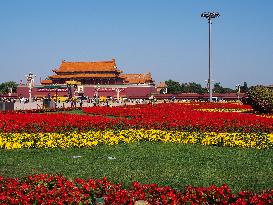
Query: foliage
[[260, 98], [244, 88], [219, 89], [173, 87], [192, 87], [6, 86]]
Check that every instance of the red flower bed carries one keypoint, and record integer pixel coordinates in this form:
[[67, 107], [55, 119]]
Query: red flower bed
[[162, 116], [15, 122], [47, 189], [186, 117], [132, 110]]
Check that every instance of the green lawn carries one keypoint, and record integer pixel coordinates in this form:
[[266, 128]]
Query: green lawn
[[176, 165], [78, 112]]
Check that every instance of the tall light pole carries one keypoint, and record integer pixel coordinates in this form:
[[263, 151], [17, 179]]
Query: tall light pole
[[210, 16], [239, 90]]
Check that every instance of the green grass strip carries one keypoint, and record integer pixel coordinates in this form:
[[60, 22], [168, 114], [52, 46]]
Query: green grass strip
[[175, 165]]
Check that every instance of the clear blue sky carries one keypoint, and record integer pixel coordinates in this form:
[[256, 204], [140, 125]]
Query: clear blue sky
[[166, 37]]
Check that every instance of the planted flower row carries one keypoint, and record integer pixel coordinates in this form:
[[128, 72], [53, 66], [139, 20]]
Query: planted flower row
[[166, 108], [48, 189], [111, 137], [163, 116]]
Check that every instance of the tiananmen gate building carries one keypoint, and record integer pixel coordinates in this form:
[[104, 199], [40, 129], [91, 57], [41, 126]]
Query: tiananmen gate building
[[101, 78]]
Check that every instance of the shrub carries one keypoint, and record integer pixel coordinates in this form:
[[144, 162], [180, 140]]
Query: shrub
[[260, 98]]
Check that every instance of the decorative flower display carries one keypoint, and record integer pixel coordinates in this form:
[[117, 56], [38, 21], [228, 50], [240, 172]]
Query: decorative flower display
[[111, 137], [50, 189], [215, 124], [182, 117]]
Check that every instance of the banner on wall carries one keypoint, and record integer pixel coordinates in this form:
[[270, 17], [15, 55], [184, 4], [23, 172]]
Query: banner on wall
[[52, 90], [110, 89]]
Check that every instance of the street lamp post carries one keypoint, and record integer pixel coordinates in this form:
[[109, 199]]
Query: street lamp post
[[210, 16], [239, 90]]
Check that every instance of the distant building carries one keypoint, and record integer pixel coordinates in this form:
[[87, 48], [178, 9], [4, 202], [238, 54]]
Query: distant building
[[93, 73], [101, 78], [102, 72], [137, 78]]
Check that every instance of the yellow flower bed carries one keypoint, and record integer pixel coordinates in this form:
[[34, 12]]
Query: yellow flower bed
[[267, 116], [224, 110], [112, 137]]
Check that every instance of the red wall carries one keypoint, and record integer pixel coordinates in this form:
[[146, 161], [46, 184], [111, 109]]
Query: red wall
[[130, 91], [23, 91], [140, 91]]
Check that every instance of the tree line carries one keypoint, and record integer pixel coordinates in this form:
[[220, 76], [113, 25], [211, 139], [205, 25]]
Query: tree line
[[7, 87], [175, 87]]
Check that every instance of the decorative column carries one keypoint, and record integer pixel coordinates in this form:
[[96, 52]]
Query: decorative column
[[30, 83]]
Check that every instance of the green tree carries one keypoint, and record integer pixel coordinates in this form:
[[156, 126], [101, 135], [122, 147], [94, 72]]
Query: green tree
[[6, 86], [173, 87], [220, 89], [244, 88], [192, 87]]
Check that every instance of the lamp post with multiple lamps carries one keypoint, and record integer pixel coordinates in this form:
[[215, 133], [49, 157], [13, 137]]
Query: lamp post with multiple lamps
[[210, 16]]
